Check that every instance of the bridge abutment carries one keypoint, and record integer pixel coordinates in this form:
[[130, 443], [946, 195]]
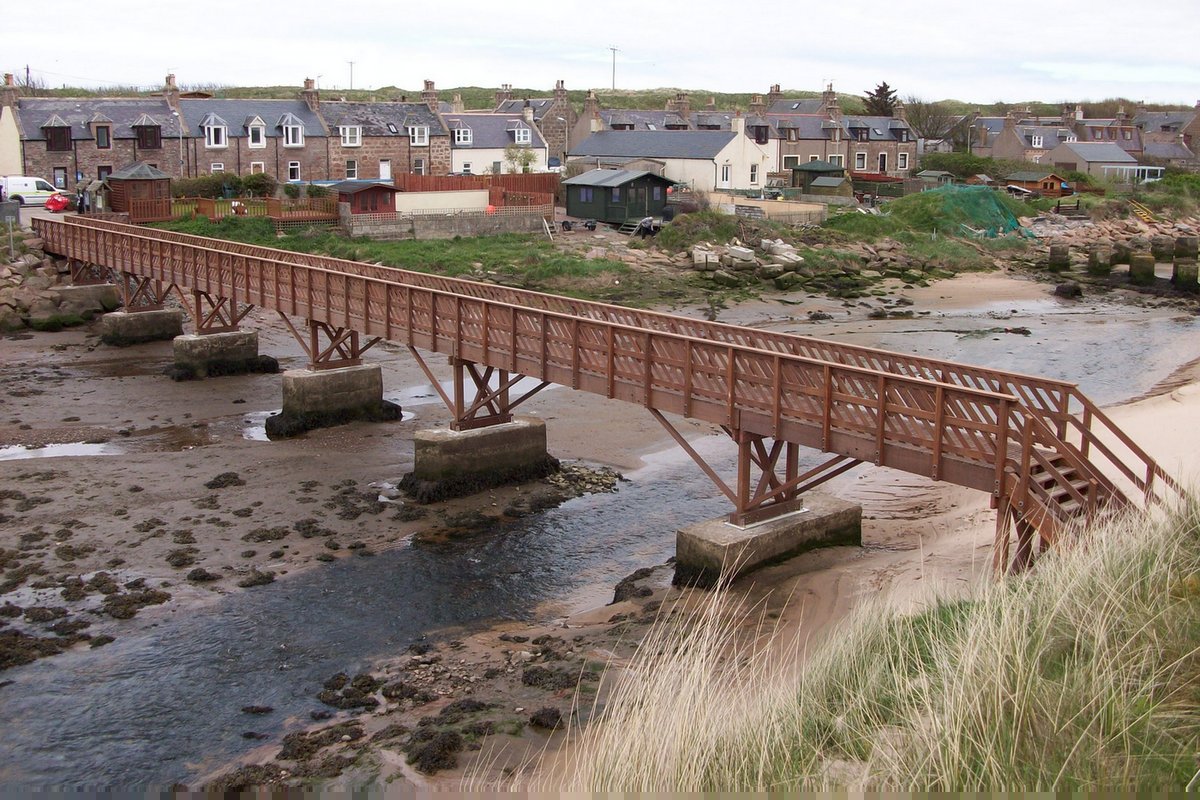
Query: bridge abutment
[[449, 463], [707, 551], [327, 397], [122, 328], [212, 354]]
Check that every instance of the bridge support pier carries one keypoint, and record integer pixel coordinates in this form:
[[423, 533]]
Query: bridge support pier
[[144, 317], [710, 552], [219, 346], [452, 463]]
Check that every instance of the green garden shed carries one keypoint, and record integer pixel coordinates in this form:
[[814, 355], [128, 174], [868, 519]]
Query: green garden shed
[[616, 195]]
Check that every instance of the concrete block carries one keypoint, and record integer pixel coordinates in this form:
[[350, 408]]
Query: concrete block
[[1141, 269], [1060, 257], [449, 463], [229, 353], [705, 550], [121, 328], [1100, 259], [1187, 247], [328, 397], [1184, 275], [1162, 247], [740, 253]]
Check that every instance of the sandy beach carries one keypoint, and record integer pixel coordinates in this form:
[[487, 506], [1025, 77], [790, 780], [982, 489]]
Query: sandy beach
[[171, 491]]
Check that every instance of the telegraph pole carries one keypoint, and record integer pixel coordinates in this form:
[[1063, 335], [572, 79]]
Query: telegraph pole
[[614, 52]]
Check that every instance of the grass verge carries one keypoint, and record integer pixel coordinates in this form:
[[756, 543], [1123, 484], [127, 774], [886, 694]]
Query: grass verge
[[1082, 675]]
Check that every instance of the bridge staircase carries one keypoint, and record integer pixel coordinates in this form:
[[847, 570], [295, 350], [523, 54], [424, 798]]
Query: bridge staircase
[[1042, 450]]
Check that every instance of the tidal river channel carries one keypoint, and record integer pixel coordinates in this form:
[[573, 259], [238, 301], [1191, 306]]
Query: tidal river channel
[[161, 704]]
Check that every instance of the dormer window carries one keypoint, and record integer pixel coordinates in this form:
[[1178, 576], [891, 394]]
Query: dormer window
[[1036, 140], [1071, 138], [462, 137], [418, 135], [293, 130], [622, 126], [523, 136], [256, 136], [103, 137], [351, 135], [216, 132]]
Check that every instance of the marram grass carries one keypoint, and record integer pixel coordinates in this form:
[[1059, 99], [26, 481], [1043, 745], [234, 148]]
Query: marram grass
[[1082, 675]]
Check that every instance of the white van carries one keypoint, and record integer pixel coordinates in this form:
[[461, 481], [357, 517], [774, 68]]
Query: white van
[[27, 190]]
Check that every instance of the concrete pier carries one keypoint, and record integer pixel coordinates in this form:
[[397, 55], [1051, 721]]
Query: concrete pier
[[1100, 259], [707, 550], [1141, 269], [1059, 258], [122, 328], [212, 354], [328, 397], [448, 463], [1184, 275]]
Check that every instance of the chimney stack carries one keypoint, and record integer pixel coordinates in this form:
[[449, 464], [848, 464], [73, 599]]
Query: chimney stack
[[430, 96], [504, 94], [456, 104], [309, 95], [527, 111], [711, 105], [560, 92], [681, 104], [774, 96], [171, 92], [829, 103], [9, 92], [757, 106], [591, 106]]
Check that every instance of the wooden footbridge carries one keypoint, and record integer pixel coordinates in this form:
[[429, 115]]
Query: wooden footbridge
[[1044, 452]]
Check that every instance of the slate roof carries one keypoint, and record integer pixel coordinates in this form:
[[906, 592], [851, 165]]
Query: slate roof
[[1163, 120], [540, 106], [237, 113], [76, 113], [610, 177], [490, 130], [654, 144], [373, 118], [807, 126], [1172, 150], [811, 105], [641, 120], [880, 129], [1100, 152]]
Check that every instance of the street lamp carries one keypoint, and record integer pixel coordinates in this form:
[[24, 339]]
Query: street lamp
[[179, 124]]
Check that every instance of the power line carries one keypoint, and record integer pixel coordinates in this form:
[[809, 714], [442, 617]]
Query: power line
[[41, 72]]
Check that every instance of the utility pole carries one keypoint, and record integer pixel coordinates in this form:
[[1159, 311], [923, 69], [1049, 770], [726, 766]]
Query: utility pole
[[614, 52], [351, 63]]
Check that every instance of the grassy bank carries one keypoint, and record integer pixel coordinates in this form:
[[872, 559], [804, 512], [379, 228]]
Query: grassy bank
[[1080, 676]]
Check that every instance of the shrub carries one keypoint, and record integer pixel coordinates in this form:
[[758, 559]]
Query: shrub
[[317, 191], [291, 190], [259, 185]]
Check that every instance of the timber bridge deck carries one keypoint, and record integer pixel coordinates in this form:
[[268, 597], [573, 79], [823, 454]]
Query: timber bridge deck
[[1042, 450]]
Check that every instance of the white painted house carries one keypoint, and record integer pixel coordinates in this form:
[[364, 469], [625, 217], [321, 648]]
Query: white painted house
[[706, 160], [478, 143]]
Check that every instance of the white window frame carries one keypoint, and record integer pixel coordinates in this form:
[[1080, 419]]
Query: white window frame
[[860, 160], [815, 158], [466, 167], [293, 170], [256, 137], [351, 169], [753, 174], [462, 137], [293, 136], [790, 161], [725, 173], [1071, 138], [351, 135], [257, 167], [901, 161], [1037, 141], [881, 161], [523, 136], [216, 137], [216, 167], [418, 166], [418, 135]]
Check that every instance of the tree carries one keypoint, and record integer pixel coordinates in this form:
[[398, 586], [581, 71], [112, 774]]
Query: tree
[[881, 102], [930, 120], [519, 158]]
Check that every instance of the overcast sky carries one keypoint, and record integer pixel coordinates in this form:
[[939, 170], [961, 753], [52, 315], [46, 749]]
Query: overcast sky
[[978, 52]]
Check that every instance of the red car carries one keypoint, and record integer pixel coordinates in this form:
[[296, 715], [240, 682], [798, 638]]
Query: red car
[[57, 202]]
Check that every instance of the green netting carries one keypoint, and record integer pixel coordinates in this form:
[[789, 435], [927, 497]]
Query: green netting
[[955, 209]]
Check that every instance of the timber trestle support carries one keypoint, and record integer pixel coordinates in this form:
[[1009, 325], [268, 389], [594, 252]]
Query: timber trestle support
[[139, 293], [482, 396], [330, 346], [780, 483], [212, 314]]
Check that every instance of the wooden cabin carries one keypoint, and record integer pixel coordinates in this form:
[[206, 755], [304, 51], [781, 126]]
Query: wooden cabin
[[616, 195], [141, 191], [365, 197]]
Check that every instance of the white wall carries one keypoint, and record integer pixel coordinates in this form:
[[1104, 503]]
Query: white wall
[[481, 159], [464, 200], [10, 143]]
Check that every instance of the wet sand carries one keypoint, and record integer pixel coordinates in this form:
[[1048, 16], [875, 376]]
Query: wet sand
[[189, 491]]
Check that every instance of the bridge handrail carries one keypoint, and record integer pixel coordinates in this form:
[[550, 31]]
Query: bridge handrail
[[967, 413]]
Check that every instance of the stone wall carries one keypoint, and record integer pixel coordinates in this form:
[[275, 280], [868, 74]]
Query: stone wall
[[390, 227]]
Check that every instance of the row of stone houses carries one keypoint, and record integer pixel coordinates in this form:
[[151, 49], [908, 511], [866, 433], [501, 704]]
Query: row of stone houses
[[775, 135], [73, 140]]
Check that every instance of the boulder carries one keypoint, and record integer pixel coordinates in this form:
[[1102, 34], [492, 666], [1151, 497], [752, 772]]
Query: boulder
[[723, 278]]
